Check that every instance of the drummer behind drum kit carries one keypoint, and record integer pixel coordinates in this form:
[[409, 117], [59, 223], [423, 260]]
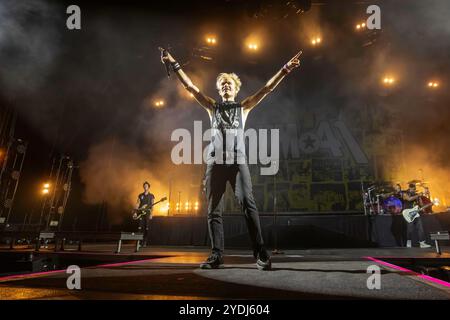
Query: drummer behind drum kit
[[382, 198]]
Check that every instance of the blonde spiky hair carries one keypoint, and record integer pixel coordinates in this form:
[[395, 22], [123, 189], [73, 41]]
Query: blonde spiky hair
[[232, 76]]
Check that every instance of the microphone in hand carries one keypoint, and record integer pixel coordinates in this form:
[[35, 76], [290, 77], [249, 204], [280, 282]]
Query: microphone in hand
[[165, 60]]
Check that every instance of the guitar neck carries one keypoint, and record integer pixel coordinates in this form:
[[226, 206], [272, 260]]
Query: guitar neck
[[151, 206], [426, 206]]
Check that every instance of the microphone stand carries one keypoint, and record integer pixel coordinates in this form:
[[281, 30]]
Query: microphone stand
[[275, 225]]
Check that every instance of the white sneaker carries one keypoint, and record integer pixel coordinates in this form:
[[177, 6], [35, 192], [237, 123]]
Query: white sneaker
[[423, 245], [408, 243]]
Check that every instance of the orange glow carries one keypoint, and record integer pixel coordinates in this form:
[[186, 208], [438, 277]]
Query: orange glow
[[433, 84], [360, 26], [45, 188], [212, 40], [421, 165], [164, 208], [253, 46], [254, 41], [316, 40], [159, 103], [388, 80]]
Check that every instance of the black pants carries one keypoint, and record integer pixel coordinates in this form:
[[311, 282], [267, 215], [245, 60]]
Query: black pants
[[216, 178], [415, 227], [144, 227]]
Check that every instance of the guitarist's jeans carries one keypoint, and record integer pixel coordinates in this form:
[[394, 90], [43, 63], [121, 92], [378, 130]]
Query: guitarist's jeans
[[144, 226], [216, 178], [415, 227]]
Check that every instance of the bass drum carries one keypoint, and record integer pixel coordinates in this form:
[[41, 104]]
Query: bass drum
[[425, 201], [392, 205]]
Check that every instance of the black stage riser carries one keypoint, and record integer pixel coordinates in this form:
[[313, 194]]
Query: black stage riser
[[296, 232]]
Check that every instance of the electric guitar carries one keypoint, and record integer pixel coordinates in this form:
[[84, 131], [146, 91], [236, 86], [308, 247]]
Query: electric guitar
[[411, 214], [145, 209]]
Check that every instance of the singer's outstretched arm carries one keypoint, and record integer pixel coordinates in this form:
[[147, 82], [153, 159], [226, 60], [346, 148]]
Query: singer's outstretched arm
[[202, 99], [250, 102]]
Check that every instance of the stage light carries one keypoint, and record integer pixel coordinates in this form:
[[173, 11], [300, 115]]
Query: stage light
[[360, 26], [253, 46], [159, 103], [45, 188], [315, 41], [433, 84], [211, 40], [388, 80], [253, 41]]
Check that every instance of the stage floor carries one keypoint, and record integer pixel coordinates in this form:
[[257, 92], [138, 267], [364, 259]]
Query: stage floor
[[173, 273]]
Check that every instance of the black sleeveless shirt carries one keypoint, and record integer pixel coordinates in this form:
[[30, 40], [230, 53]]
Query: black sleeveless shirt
[[227, 134], [146, 199]]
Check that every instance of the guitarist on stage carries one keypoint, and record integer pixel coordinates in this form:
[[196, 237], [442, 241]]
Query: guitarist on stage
[[145, 199], [410, 199]]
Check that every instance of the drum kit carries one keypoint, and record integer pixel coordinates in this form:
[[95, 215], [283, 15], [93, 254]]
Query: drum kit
[[382, 198]]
